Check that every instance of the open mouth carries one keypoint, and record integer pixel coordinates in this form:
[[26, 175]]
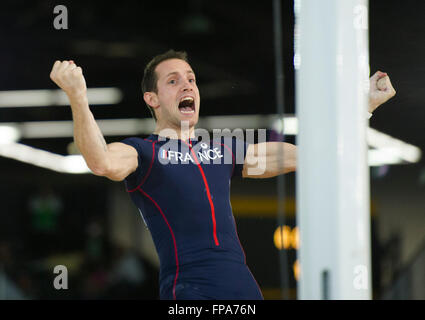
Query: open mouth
[[187, 105]]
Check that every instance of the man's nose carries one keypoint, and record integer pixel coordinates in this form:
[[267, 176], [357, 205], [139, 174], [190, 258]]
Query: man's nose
[[187, 86]]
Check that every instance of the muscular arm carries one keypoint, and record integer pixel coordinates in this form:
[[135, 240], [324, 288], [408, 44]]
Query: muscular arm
[[269, 159], [114, 161]]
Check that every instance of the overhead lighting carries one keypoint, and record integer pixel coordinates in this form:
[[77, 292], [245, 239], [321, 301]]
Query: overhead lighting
[[386, 150], [381, 157], [44, 159], [290, 125], [122, 127], [65, 129], [56, 97], [9, 134], [392, 147]]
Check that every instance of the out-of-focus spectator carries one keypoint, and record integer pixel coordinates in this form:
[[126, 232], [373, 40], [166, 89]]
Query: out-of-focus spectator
[[45, 208], [9, 290], [128, 268], [131, 276]]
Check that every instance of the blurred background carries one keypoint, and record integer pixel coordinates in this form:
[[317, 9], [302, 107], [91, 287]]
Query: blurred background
[[52, 215]]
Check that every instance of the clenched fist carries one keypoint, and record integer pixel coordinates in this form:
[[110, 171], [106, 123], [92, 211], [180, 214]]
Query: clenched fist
[[69, 78], [380, 91]]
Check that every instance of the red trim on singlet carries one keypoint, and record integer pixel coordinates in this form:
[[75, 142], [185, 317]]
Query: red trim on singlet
[[172, 235], [208, 193], [162, 213], [150, 167]]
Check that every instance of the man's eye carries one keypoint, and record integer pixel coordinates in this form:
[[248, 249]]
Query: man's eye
[[172, 81], [191, 80]]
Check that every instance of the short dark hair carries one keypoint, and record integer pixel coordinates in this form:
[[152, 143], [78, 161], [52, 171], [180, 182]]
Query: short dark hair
[[150, 79]]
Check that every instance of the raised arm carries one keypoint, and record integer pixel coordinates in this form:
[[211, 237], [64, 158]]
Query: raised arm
[[380, 90], [269, 159], [115, 160]]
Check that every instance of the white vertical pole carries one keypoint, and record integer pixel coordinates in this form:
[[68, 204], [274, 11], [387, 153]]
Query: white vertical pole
[[332, 71]]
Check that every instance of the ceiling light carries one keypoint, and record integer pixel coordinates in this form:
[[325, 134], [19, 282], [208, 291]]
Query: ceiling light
[[9, 134], [56, 97]]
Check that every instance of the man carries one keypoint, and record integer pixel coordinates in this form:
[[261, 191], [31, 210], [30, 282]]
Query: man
[[180, 189]]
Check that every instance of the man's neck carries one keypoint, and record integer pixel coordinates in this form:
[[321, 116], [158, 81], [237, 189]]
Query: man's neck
[[184, 132]]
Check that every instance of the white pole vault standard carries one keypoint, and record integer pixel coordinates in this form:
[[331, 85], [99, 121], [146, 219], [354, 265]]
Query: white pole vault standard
[[332, 71]]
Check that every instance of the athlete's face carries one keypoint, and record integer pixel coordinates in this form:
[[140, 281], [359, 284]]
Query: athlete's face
[[178, 97]]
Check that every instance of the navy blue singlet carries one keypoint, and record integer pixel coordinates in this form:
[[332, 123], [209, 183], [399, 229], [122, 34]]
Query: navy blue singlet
[[182, 191]]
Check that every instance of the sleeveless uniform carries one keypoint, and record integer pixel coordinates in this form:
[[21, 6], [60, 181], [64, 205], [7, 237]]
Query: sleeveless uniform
[[182, 191]]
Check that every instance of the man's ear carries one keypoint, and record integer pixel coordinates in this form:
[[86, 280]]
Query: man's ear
[[151, 98]]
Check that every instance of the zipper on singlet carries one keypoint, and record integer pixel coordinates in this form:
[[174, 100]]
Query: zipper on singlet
[[208, 193]]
